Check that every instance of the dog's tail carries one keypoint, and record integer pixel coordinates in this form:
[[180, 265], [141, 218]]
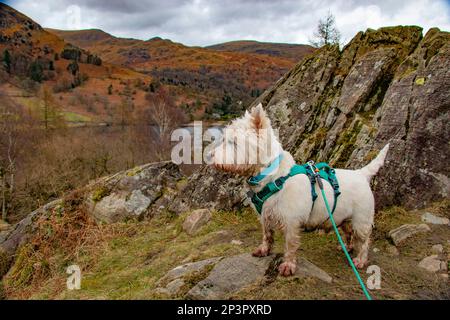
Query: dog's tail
[[373, 167]]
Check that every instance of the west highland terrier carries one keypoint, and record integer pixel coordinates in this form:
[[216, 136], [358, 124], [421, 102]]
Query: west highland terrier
[[249, 146]]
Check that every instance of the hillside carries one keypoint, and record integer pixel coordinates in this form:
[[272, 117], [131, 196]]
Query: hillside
[[78, 78], [200, 73], [294, 52], [151, 232]]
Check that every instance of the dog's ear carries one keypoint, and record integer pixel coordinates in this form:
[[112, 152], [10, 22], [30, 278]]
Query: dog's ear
[[260, 120]]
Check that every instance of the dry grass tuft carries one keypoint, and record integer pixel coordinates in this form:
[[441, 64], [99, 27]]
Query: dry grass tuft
[[62, 236]]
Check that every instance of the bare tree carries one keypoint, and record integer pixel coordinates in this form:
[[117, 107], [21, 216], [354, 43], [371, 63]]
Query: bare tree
[[163, 115], [326, 33]]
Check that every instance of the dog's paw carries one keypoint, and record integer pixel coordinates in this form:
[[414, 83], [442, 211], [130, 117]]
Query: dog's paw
[[261, 251], [287, 269], [358, 263]]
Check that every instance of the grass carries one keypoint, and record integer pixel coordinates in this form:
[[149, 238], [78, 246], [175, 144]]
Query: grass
[[75, 117], [128, 259]]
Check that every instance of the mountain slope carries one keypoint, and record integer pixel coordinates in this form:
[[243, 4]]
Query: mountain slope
[[294, 52], [207, 74], [71, 73]]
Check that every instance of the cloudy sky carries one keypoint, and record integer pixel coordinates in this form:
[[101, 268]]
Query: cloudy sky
[[206, 22]]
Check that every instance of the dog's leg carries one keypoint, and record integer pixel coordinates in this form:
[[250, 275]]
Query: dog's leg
[[361, 243], [266, 246], [292, 242], [348, 236]]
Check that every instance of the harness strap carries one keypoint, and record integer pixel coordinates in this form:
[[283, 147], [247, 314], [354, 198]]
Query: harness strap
[[325, 172]]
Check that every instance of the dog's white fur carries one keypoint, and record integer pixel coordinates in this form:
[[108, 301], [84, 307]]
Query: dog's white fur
[[292, 208]]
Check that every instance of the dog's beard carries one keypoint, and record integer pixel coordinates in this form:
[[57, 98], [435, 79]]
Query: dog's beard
[[240, 169]]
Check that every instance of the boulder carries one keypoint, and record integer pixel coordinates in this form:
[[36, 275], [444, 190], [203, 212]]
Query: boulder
[[121, 206], [432, 219], [233, 274], [230, 275], [133, 194], [400, 234], [195, 220], [431, 264]]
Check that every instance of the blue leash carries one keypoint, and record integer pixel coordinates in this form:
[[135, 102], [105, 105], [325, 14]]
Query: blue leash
[[341, 242]]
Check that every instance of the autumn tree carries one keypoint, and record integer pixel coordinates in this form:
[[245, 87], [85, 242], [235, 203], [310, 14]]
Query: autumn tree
[[326, 33], [36, 71], [50, 112]]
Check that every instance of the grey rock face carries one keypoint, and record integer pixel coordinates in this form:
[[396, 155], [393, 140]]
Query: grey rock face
[[235, 273], [135, 193], [400, 234]]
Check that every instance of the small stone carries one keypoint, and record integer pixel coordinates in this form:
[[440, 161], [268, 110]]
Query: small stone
[[406, 231], [437, 248], [376, 250], [196, 220], [237, 242], [431, 264], [444, 266], [432, 219], [444, 275]]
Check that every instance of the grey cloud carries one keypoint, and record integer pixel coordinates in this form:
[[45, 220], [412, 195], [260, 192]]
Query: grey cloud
[[204, 22]]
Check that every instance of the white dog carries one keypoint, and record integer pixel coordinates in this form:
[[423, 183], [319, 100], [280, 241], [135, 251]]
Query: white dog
[[291, 209]]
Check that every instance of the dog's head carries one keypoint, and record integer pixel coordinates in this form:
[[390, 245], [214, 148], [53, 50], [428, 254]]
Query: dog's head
[[247, 144]]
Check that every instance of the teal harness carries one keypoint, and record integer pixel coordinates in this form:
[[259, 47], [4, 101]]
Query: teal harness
[[324, 170]]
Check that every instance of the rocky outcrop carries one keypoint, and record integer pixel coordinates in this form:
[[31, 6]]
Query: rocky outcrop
[[135, 193], [132, 194], [387, 85]]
